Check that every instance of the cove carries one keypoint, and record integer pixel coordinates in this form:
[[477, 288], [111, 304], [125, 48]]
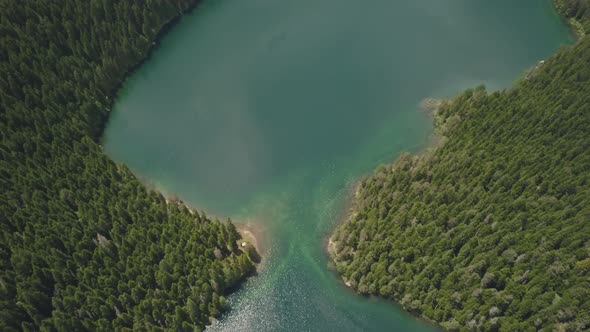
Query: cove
[[268, 111]]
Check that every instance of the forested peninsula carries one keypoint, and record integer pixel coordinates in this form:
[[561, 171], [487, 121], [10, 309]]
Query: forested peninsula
[[489, 230], [85, 246]]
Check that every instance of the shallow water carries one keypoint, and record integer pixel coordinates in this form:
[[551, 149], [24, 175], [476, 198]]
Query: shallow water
[[268, 111]]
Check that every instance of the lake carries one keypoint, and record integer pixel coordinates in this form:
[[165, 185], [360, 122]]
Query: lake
[[268, 111]]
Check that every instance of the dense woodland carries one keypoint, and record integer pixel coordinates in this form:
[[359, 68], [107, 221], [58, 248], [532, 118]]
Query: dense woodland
[[577, 14], [490, 230], [84, 246]]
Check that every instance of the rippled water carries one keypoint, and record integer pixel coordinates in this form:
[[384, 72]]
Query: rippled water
[[268, 110]]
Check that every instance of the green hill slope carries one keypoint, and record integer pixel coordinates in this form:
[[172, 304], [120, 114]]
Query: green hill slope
[[491, 229], [84, 246], [577, 14]]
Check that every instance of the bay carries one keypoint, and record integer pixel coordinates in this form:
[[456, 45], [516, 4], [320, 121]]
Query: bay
[[268, 111]]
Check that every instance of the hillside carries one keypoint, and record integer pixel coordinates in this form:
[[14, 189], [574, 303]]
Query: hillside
[[84, 245], [490, 229], [576, 13]]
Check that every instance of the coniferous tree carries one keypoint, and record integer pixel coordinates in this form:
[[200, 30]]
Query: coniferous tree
[[489, 230], [83, 245]]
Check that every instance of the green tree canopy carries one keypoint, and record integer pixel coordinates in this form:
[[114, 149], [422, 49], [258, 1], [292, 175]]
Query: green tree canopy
[[84, 246], [489, 230]]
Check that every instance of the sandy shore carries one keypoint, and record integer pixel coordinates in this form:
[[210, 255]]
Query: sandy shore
[[431, 104], [253, 233], [250, 231]]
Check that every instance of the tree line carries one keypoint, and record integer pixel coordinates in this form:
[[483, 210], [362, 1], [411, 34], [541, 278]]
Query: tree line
[[84, 245], [577, 14], [489, 230]]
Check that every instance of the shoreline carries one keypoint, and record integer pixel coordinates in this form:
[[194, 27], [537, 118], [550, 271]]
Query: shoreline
[[347, 212], [429, 106], [112, 95], [252, 233]]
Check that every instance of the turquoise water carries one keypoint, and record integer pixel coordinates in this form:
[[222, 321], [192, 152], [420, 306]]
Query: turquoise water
[[267, 111]]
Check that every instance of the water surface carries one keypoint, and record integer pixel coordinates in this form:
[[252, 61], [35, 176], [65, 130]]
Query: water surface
[[268, 110]]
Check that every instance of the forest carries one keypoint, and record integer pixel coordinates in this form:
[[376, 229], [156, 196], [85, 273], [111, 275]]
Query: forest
[[577, 14], [84, 245], [489, 229]]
